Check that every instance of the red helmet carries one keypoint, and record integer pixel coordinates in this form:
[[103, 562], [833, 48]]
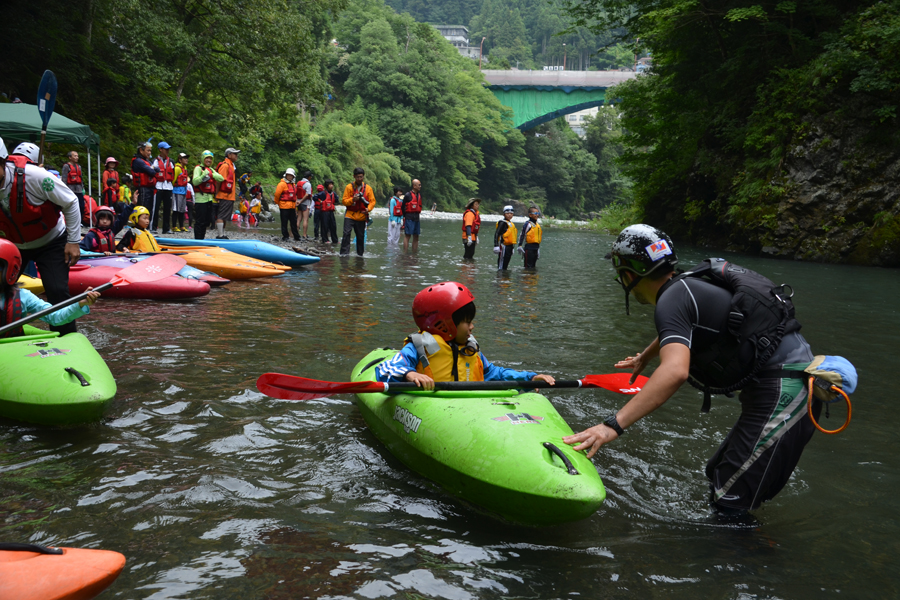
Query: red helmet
[[104, 210], [434, 306], [10, 262]]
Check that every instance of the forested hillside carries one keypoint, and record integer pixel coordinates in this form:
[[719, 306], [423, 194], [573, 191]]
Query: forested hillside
[[391, 95], [765, 126]]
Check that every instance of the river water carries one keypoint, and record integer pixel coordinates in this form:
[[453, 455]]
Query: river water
[[212, 490]]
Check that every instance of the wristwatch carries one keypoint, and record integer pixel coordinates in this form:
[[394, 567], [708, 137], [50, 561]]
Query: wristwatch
[[613, 424]]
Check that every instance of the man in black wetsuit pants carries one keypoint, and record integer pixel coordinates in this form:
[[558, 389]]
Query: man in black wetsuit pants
[[759, 454]]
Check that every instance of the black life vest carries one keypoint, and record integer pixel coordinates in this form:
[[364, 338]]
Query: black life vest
[[12, 312], [761, 314]]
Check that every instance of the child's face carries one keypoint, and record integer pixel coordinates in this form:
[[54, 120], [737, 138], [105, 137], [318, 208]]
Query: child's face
[[508, 216], [104, 222], [463, 331], [144, 221]]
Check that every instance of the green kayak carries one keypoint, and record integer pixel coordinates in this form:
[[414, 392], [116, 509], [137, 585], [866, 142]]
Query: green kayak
[[53, 380], [500, 450]]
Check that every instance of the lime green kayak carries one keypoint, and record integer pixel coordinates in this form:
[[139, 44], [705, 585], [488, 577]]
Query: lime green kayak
[[52, 380], [500, 450]]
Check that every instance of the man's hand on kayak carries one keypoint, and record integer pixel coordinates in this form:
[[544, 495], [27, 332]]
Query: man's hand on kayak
[[591, 438], [421, 380], [541, 377]]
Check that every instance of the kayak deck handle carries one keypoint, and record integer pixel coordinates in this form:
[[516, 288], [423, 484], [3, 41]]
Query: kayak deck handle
[[12, 546], [84, 382], [569, 466]]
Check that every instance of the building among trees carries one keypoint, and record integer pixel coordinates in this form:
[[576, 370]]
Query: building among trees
[[458, 35]]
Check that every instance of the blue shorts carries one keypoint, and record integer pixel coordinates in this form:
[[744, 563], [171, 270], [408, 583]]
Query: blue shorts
[[412, 227]]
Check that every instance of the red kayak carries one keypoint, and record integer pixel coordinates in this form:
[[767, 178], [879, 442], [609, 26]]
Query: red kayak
[[31, 572], [81, 277]]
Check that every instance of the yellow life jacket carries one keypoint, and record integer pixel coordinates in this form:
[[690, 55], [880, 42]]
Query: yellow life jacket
[[509, 238], [144, 241], [534, 234], [439, 357]]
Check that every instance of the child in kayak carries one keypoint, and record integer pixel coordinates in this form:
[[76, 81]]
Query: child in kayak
[[138, 237], [18, 303], [101, 237], [445, 349]]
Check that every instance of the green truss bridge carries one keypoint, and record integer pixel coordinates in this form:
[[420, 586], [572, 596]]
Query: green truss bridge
[[536, 97]]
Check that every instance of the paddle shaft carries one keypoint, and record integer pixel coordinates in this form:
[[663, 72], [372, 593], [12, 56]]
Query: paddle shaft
[[54, 308], [477, 385]]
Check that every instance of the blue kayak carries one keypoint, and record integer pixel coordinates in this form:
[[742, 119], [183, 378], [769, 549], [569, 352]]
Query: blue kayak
[[253, 248]]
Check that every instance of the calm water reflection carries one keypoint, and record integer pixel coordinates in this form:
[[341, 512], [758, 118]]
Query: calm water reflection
[[212, 490]]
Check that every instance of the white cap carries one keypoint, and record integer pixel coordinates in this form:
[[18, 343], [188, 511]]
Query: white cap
[[28, 150], [290, 171], [508, 208], [3, 152]]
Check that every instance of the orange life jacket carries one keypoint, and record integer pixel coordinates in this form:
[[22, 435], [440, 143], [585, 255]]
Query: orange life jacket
[[227, 186], [441, 364], [476, 224]]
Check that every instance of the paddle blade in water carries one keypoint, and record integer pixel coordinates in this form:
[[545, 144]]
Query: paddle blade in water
[[615, 382], [291, 387], [153, 269]]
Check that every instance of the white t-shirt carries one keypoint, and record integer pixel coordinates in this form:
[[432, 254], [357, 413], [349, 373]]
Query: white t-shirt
[[42, 186], [163, 185]]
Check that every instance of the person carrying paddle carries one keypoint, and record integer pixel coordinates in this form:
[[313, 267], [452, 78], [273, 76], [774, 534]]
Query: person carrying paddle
[[16, 303], [444, 349], [695, 319], [40, 216], [360, 201]]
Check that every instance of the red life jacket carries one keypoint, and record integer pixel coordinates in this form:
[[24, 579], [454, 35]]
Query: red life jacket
[[301, 191], [208, 186], [142, 179], [112, 177], [328, 202], [476, 224], [359, 205], [415, 203], [288, 195], [189, 194], [227, 186], [109, 197], [74, 176], [166, 169], [182, 180], [25, 222], [107, 240], [398, 208], [12, 312], [317, 200]]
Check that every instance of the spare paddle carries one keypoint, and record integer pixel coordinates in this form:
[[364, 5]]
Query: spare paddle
[[291, 387], [153, 269], [46, 101]]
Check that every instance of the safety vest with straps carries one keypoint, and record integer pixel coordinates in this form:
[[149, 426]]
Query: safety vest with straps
[[509, 236], [328, 202], [360, 204], [166, 169], [398, 207], [476, 223], [226, 186], [446, 361], [415, 203], [317, 200], [22, 221], [208, 186], [12, 312], [143, 241], [288, 197], [74, 175], [182, 179], [142, 179], [106, 239], [534, 234]]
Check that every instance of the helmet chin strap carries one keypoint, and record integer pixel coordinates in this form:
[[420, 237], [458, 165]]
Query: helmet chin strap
[[636, 279]]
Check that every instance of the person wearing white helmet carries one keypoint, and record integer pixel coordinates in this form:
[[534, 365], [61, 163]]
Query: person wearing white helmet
[[41, 217], [505, 238], [204, 182], [721, 340], [286, 199], [29, 151]]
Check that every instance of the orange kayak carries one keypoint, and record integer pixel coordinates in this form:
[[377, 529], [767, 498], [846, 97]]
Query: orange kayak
[[30, 573], [225, 263]]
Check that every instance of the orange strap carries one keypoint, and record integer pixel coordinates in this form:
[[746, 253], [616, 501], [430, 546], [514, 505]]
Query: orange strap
[[834, 388]]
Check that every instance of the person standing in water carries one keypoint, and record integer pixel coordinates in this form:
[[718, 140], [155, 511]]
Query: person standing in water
[[531, 236], [505, 238], [471, 225]]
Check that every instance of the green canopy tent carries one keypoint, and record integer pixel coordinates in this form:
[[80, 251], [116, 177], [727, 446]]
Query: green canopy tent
[[22, 122]]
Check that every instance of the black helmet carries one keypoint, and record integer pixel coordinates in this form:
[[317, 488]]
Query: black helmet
[[641, 249]]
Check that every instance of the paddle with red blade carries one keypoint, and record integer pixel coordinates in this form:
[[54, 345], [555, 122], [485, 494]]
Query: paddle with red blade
[[291, 387], [153, 269]]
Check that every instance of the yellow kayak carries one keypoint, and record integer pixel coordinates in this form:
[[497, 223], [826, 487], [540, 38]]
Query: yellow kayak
[[226, 263], [32, 284]]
